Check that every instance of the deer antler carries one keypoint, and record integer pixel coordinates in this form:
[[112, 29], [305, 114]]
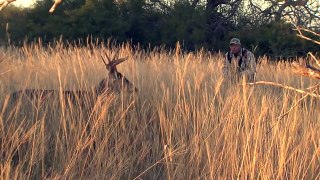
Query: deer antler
[[115, 81], [118, 61], [104, 61], [111, 66]]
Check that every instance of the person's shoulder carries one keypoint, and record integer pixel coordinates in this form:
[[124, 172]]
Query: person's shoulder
[[248, 52]]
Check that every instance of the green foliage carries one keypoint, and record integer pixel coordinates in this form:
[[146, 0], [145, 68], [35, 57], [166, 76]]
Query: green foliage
[[11, 30], [140, 22], [185, 24], [101, 19]]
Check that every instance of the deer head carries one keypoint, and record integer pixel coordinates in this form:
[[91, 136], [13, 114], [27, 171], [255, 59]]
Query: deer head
[[115, 82]]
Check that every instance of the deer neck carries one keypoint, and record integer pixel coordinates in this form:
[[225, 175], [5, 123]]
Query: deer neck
[[110, 83], [101, 88], [115, 75]]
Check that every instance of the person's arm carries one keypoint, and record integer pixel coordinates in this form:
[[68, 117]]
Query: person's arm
[[226, 66], [251, 65]]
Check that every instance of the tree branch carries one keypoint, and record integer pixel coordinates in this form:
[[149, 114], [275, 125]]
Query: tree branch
[[285, 87], [194, 3], [300, 31], [308, 71], [162, 4]]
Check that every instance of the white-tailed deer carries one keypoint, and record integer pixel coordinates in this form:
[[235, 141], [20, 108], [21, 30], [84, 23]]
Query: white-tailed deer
[[115, 82], [4, 3]]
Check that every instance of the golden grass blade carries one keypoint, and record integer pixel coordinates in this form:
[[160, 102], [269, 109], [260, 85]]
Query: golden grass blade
[[2, 58], [183, 124], [287, 112], [313, 87]]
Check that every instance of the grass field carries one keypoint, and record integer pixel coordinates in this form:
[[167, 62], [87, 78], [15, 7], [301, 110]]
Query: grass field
[[184, 123]]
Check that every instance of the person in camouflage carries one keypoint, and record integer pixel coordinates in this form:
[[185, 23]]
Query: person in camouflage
[[239, 62]]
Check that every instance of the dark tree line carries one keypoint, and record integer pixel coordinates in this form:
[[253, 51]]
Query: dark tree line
[[196, 24]]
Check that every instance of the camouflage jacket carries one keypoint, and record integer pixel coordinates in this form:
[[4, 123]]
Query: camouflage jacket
[[235, 67]]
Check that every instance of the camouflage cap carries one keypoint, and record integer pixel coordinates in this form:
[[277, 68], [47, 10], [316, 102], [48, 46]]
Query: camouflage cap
[[235, 41]]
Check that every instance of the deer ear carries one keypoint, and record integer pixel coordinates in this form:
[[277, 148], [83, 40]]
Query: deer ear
[[118, 61]]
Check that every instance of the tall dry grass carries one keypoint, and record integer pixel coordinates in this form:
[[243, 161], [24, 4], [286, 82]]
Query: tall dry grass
[[184, 123]]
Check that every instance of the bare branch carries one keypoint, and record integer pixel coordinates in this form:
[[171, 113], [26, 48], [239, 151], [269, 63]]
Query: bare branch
[[194, 3], [308, 71], [4, 3], [315, 59], [301, 30], [285, 87], [306, 9], [314, 87], [309, 39], [212, 4], [286, 113], [161, 3], [54, 6], [254, 6], [309, 31]]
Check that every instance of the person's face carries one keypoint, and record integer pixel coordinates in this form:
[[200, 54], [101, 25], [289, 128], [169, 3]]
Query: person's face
[[235, 48]]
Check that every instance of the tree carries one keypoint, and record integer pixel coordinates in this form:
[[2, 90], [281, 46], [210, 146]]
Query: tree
[[11, 25], [302, 12]]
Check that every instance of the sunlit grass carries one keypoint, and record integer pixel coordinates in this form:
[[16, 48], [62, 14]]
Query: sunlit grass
[[184, 123]]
